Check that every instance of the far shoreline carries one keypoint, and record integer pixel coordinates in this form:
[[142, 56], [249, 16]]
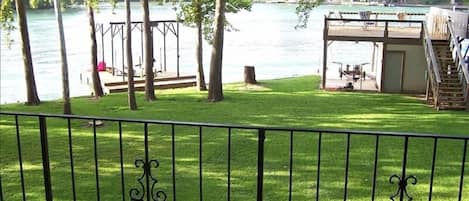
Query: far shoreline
[[459, 6]]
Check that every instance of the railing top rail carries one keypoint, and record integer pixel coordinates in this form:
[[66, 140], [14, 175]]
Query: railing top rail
[[458, 50], [428, 42], [372, 20], [266, 128], [380, 13], [140, 22]]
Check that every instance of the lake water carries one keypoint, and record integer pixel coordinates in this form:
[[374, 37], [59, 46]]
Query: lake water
[[266, 39]]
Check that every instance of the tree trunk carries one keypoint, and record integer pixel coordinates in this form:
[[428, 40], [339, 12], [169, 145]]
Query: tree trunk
[[97, 88], [63, 55], [32, 96], [199, 50], [215, 90], [128, 53], [148, 54], [249, 75]]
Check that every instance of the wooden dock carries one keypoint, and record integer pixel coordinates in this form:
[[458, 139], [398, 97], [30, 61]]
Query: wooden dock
[[160, 83], [118, 83]]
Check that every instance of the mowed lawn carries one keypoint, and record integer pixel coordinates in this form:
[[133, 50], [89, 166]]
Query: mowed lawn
[[293, 102]]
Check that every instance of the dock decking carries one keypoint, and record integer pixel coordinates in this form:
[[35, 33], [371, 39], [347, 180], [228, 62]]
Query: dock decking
[[160, 83], [167, 80]]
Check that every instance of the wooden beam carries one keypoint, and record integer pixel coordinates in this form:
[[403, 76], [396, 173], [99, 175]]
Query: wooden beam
[[383, 66], [407, 41], [402, 71], [373, 57], [355, 38], [324, 57]]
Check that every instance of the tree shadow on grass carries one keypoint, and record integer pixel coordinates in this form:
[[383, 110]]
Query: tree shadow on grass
[[284, 105]]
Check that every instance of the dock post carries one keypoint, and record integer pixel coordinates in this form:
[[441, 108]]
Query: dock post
[[122, 51], [112, 50], [177, 49], [102, 43], [141, 43], [164, 45]]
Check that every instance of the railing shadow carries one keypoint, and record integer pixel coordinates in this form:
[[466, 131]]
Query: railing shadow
[[208, 158]]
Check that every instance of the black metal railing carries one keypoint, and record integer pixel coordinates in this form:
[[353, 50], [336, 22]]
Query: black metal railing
[[373, 29], [378, 15], [63, 132]]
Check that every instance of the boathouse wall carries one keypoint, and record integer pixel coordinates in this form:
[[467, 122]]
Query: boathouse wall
[[413, 68]]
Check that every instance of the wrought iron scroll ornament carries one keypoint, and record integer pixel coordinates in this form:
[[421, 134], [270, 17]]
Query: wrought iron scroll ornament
[[402, 190], [138, 195]]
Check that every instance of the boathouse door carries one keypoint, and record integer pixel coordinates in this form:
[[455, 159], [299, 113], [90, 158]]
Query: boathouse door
[[393, 71]]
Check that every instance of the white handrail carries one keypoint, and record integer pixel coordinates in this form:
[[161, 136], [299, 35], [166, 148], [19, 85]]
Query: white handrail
[[432, 65], [461, 61], [429, 49]]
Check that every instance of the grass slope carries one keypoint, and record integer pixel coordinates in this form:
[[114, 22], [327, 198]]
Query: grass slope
[[293, 102]]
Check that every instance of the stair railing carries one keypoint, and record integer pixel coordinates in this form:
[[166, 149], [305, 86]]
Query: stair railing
[[432, 65], [459, 60]]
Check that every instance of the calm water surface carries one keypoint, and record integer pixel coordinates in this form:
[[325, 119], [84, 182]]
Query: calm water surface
[[266, 39]]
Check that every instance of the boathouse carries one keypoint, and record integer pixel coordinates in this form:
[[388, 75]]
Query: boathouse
[[112, 62], [411, 53]]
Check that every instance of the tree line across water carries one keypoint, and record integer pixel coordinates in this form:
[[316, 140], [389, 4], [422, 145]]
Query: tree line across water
[[207, 16]]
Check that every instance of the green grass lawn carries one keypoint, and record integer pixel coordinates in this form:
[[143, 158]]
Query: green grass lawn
[[293, 102]]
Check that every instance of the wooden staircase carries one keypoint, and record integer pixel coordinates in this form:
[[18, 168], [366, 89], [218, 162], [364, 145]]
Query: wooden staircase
[[451, 91]]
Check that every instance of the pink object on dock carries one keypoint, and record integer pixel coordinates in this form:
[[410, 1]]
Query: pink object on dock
[[102, 66]]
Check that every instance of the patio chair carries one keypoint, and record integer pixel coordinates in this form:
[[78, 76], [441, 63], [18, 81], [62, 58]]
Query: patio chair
[[401, 15], [365, 15]]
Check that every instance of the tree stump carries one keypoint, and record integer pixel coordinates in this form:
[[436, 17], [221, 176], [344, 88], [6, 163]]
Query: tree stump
[[249, 75]]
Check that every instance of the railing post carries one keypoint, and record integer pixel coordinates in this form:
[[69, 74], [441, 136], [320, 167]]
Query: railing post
[[386, 31], [403, 180], [422, 31], [45, 158], [260, 163], [467, 98], [427, 91], [1, 191], [404, 165]]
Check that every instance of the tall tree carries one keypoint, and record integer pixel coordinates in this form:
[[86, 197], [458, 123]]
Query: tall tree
[[46, 4], [97, 88], [67, 109], [148, 54], [128, 53], [32, 96], [200, 14], [215, 90], [199, 47], [7, 19], [303, 10]]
